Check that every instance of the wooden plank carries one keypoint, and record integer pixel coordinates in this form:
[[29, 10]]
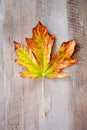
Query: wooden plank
[[53, 13], [77, 22], [2, 101], [21, 107]]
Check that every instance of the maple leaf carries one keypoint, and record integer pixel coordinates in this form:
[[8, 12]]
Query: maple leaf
[[36, 55]]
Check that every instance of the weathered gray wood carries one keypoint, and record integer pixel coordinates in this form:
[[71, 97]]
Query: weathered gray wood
[[2, 101], [21, 103], [53, 14], [65, 99], [77, 21]]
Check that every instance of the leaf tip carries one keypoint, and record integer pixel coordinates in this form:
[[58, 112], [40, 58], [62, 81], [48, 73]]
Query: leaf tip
[[16, 45], [39, 23], [21, 75], [62, 75], [74, 61], [73, 42], [15, 60]]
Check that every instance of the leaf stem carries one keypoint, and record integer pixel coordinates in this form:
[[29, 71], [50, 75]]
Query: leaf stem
[[43, 104]]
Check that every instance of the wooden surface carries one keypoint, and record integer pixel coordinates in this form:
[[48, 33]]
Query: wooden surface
[[65, 99]]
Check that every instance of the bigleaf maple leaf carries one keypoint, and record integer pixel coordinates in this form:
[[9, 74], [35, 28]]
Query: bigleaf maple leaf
[[36, 55]]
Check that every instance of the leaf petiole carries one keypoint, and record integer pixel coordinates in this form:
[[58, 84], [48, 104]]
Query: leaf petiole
[[43, 104]]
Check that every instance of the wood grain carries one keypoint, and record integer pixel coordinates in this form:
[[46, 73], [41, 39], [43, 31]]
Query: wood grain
[[2, 101], [65, 99], [77, 21], [21, 108]]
